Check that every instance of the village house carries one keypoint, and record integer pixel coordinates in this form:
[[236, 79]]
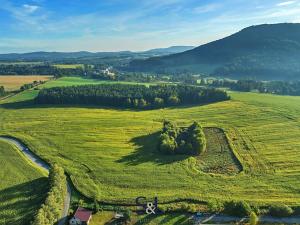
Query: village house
[[81, 217]]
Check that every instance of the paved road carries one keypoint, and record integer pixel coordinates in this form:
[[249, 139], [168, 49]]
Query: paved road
[[223, 219], [45, 166]]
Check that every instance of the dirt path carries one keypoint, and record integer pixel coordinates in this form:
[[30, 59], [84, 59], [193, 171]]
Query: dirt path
[[45, 166]]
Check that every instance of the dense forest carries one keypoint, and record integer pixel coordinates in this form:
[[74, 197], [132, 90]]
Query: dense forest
[[187, 141], [131, 96], [39, 69], [272, 87]]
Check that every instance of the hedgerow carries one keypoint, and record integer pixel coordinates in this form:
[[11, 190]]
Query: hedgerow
[[51, 211]]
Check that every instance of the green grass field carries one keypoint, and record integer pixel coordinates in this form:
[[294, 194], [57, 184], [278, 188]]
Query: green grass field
[[111, 154], [69, 66], [22, 187]]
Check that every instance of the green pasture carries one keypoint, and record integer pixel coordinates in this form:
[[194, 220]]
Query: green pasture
[[69, 66], [71, 81], [22, 187], [112, 154]]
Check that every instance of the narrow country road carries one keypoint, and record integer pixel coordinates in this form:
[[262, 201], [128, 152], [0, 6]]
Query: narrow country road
[[45, 166], [224, 219]]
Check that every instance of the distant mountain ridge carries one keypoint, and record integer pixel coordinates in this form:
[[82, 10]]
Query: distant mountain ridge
[[171, 50], [43, 55], [266, 52]]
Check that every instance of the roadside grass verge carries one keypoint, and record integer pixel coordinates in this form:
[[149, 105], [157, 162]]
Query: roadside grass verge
[[23, 187]]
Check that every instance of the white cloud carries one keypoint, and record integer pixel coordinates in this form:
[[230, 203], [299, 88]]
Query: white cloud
[[286, 3], [30, 8], [207, 8]]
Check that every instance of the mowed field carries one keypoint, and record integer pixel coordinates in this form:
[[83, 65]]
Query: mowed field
[[69, 66], [12, 83], [22, 187], [112, 154]]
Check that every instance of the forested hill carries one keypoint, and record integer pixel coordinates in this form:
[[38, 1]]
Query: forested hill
[[52, 56], [270, 52]]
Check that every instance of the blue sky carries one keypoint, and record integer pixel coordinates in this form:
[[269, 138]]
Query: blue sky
[[113, 25]]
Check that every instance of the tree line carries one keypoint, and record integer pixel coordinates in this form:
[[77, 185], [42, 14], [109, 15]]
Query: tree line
[[187, 141], [51, 211], [131, 96], [31, 85], [272, 87], [39, 69]]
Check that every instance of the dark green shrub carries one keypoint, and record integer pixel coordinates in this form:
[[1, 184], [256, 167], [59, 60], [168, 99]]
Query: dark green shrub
[[237, 208], [280, 210], [297, 210], [215, 206], [255, 208]]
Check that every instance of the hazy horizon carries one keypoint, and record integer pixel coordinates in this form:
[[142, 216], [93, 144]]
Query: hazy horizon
[[115, 25]]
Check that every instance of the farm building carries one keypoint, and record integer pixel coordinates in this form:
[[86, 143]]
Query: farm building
[[81, 217]]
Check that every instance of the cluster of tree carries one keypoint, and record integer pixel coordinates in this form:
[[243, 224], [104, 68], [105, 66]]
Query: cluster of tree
[[273, 87], [131, 96], [2, 91], [31, 85], [50, 212], [188, 141]]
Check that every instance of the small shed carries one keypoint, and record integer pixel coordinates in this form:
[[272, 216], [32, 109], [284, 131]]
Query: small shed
[[81, 217]]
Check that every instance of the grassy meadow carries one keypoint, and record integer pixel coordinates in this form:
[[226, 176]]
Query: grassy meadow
[[22, 188], [12, 83], [112, 154], [69, 66]]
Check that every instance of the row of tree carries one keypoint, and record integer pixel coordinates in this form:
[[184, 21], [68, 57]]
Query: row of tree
[[273, 87], [31, 85], [130, 96], [51, 211], [187, 141]]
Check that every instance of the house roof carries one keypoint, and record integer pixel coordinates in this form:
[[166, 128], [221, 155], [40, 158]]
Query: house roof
[[83, 214]]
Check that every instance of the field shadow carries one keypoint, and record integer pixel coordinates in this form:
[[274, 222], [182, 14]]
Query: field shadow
[[147, 151], [30, 104], [18, 105], [24, 199]]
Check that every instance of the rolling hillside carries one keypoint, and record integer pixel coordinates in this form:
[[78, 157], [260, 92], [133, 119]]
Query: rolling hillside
[[266, 52], [111, 154]]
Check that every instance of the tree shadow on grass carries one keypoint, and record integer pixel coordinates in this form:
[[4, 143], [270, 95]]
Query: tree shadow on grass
[[30, 104], [23, 200], [147, 151]]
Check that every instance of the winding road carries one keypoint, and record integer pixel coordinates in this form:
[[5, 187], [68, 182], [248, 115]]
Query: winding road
[[45, 166]]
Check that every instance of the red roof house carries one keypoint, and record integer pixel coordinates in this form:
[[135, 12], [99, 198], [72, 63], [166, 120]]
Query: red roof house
[[81, 217]]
